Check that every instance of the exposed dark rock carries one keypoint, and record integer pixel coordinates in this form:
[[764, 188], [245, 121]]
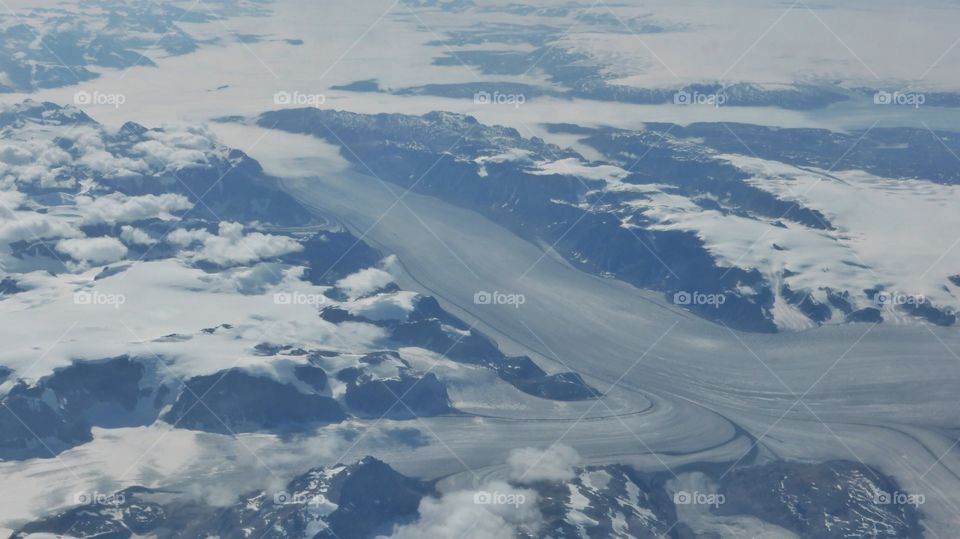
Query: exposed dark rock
[[9, 286], [315, 377], [59, 411], [831, 500], [237, 401], [526, 376], [868, 314], [365, 499], [405, 397], [331, 256]]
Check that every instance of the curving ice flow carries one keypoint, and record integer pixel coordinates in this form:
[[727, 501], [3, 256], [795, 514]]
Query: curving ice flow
[[883, 395]]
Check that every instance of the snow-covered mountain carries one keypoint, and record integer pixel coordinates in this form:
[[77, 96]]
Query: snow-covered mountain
[[757, 243], [51, 47], [106, 244], [560, 500], [130, 227], [459, 269], [342, 501]]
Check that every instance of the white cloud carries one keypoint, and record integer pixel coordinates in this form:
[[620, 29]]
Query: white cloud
[[112, 166], [230, 230], [176, 149], [95, 156], [393, 306], [31, 226], [34, 161], [497, 509], [364, 282], [556, 463], [9, 201], [135, 236], [157, 155], [231, 247], [464, 513], [118, 208], [15, 154], [101, 250], [257, 279], [183, 237]]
